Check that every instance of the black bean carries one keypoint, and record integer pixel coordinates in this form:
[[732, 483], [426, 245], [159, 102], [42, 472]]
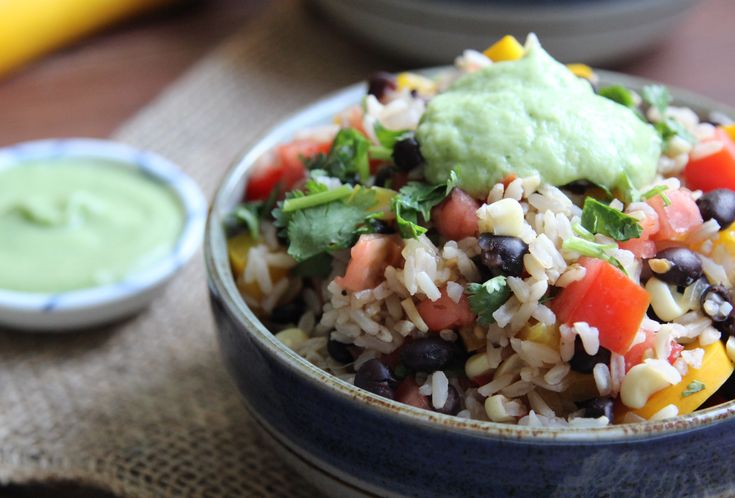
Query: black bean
[[598, 407], [339, 351], [375, 377], [429, 354], [384, 175], [288, 313], [682, 266], [452, 405], [380, 83], [584, 363], [502, 254], [712, 299], [719, 205], [406, 154]]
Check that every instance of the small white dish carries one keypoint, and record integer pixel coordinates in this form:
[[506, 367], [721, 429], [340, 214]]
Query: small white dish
[[84, 308]]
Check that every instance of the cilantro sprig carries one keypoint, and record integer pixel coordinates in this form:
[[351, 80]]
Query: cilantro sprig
[[323, 222], [416, 200], [486, 298], [593, 250], [251, 213], [347, 158], [692, 388], [657, 190], [601, 218]]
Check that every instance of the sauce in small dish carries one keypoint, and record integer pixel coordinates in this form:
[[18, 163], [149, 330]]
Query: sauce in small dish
[[89, 231]]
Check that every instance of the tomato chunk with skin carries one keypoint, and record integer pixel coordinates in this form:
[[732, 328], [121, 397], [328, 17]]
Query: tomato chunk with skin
[[372, 254], [408, 392], [676, 219], [456, 217], [606, 299], [716, 170], [285, 171], [445, 313]]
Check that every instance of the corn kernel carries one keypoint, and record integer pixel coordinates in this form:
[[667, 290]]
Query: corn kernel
[[495, 409], [505, 49], [730, 130], [477, 365], [292, 338], [504, 217], [540, 333], [646, 379], [582, 71], [664, 300], [412, 81]]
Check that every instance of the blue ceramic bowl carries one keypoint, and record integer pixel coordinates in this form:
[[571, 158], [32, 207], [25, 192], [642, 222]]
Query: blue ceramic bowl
[[352, 443]]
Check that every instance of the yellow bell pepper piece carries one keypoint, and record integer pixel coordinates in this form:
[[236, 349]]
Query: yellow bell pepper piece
[[30, 28], [541, 334], [505, 49], [412, 81], [730, 130], [237, 251], [716, 369], [725, 239], [582, 71], [383, 198]]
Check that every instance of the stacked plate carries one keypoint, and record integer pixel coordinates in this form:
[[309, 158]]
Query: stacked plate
[[429, 31]]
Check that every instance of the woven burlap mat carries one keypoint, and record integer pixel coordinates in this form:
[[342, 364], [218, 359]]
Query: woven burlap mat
[[144, 408]]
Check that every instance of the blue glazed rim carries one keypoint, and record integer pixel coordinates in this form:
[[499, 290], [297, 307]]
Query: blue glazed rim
[[152, 165], [221, 281]]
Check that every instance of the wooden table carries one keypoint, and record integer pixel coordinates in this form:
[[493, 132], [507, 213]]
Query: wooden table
[[92, 87]]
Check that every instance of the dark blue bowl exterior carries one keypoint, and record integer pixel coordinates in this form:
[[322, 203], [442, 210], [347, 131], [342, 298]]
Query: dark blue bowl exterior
[[414, 459]]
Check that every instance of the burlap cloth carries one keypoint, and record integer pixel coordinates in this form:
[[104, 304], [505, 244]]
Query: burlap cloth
[[144, 408]]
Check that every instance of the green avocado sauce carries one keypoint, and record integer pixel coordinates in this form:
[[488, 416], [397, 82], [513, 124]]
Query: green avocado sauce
[[533, 115], [69, 224]]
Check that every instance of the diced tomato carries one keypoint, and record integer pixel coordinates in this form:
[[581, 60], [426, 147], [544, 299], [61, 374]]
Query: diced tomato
[[607, 299], [408, 392], [445, 313], [456, 216], [642, 246], [676, 219], [286, 170], [716, 170], [636, 353], [369, 259]]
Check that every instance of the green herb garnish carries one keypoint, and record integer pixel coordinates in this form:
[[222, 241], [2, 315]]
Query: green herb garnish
[[316, 199], [657, 190], [601, 218], [250, 213], [327, 227], [627, 190], [347, 158], [486, 298], [416, 199], [319, 266], [694, 387], [619, 94], [657, 96], [388, 138], [593, 250]]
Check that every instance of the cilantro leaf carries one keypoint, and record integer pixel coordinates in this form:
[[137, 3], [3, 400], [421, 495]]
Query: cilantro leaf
[[319, 266], [694, 387], [347, 158], [601, 218], [627, 190], [388, 138], [281, 218], [657, 190], [250, 213], [593, 250], [328, 227], [416, 199], [669, 128], [619, 94], [486, 298], [657, 96]]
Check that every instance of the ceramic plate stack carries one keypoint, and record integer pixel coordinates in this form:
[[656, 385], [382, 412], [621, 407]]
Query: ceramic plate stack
[[430, 31]]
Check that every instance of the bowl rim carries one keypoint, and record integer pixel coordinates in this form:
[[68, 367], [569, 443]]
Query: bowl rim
[[223, 286], [160, 169]]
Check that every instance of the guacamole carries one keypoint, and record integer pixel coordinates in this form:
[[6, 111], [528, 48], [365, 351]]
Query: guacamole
[[533, 115]]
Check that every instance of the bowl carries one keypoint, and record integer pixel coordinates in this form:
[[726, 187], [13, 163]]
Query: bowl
[[349, 442], [434, 31], [84, 308]]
